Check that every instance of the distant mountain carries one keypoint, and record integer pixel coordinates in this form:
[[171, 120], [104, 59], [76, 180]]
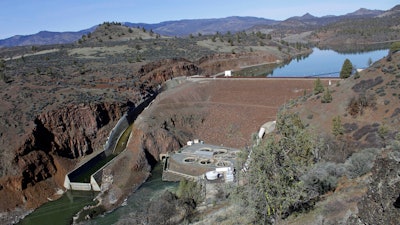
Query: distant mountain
[[44, 38], [204, 26], [186, 27], [306, 16], [365, 12], [308, 20]]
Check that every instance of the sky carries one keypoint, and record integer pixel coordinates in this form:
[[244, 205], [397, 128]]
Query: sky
[[22, 17]]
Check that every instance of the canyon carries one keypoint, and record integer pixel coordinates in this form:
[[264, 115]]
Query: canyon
[[70, 120]]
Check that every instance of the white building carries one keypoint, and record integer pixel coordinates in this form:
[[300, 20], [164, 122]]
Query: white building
[[228, 73]]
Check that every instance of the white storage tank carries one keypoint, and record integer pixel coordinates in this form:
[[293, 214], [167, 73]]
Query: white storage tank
[[212, 175]]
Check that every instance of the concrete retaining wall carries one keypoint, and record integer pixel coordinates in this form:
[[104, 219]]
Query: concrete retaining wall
[[94, 184], [81, 186], [115, 133], [123, 123]]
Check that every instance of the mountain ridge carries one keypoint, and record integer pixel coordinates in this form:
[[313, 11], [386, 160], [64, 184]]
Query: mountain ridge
[[187, 27]]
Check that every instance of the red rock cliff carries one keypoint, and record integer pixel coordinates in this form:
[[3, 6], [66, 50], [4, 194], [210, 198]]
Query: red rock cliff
[[59, 139]]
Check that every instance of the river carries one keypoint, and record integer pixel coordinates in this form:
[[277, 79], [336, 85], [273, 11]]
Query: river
[[326, 63], [61, 210], [152, 188]]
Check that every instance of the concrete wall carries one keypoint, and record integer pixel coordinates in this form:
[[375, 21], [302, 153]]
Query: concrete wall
[[94, 184], [80, 186], [115, 133], [124, 123]]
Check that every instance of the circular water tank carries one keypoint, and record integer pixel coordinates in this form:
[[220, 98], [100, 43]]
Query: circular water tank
[[212, 175]]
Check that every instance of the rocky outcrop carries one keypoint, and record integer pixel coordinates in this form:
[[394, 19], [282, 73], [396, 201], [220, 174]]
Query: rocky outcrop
[[58, 140], [155, 73], [77, 130], [378, 205]]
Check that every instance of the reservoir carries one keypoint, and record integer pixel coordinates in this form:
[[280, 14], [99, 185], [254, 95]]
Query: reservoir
[[326, 63]]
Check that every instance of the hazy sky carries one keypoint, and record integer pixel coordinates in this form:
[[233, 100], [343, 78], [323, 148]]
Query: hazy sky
[[21, 17]]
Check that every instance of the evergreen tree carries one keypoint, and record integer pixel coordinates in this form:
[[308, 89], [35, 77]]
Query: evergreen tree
[[327, 97], [274, 189], [337, 127], [318, 87], [347, 69]]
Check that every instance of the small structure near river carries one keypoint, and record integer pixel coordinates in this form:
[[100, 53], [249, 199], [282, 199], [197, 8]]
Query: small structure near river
[[199, 160]]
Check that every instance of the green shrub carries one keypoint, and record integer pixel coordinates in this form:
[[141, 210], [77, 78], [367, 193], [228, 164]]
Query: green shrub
[[318, 87], [337, 127], [394, 47], [189, 190]]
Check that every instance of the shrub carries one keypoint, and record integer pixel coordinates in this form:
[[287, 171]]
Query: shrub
[[364, 85], [189, 190], [322, 178], [361, 162], [394, 47], [358, 104]]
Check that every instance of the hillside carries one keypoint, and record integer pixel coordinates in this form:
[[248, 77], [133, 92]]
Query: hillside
[[353, 178], [204, 26], [378, 29], [369, 108]]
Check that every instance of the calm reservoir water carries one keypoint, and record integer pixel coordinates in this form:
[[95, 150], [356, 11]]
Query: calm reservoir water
[[326, 63]]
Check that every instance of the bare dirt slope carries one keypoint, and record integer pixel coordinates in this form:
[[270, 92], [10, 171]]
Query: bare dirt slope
[[222, 111]]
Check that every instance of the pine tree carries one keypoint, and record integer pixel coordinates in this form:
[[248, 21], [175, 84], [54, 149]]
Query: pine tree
[[347, 69], [318, 87], [337, 128], [327, 97]]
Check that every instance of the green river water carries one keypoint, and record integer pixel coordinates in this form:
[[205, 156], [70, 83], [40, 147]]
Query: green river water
[[152, 188], [61, 211]]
